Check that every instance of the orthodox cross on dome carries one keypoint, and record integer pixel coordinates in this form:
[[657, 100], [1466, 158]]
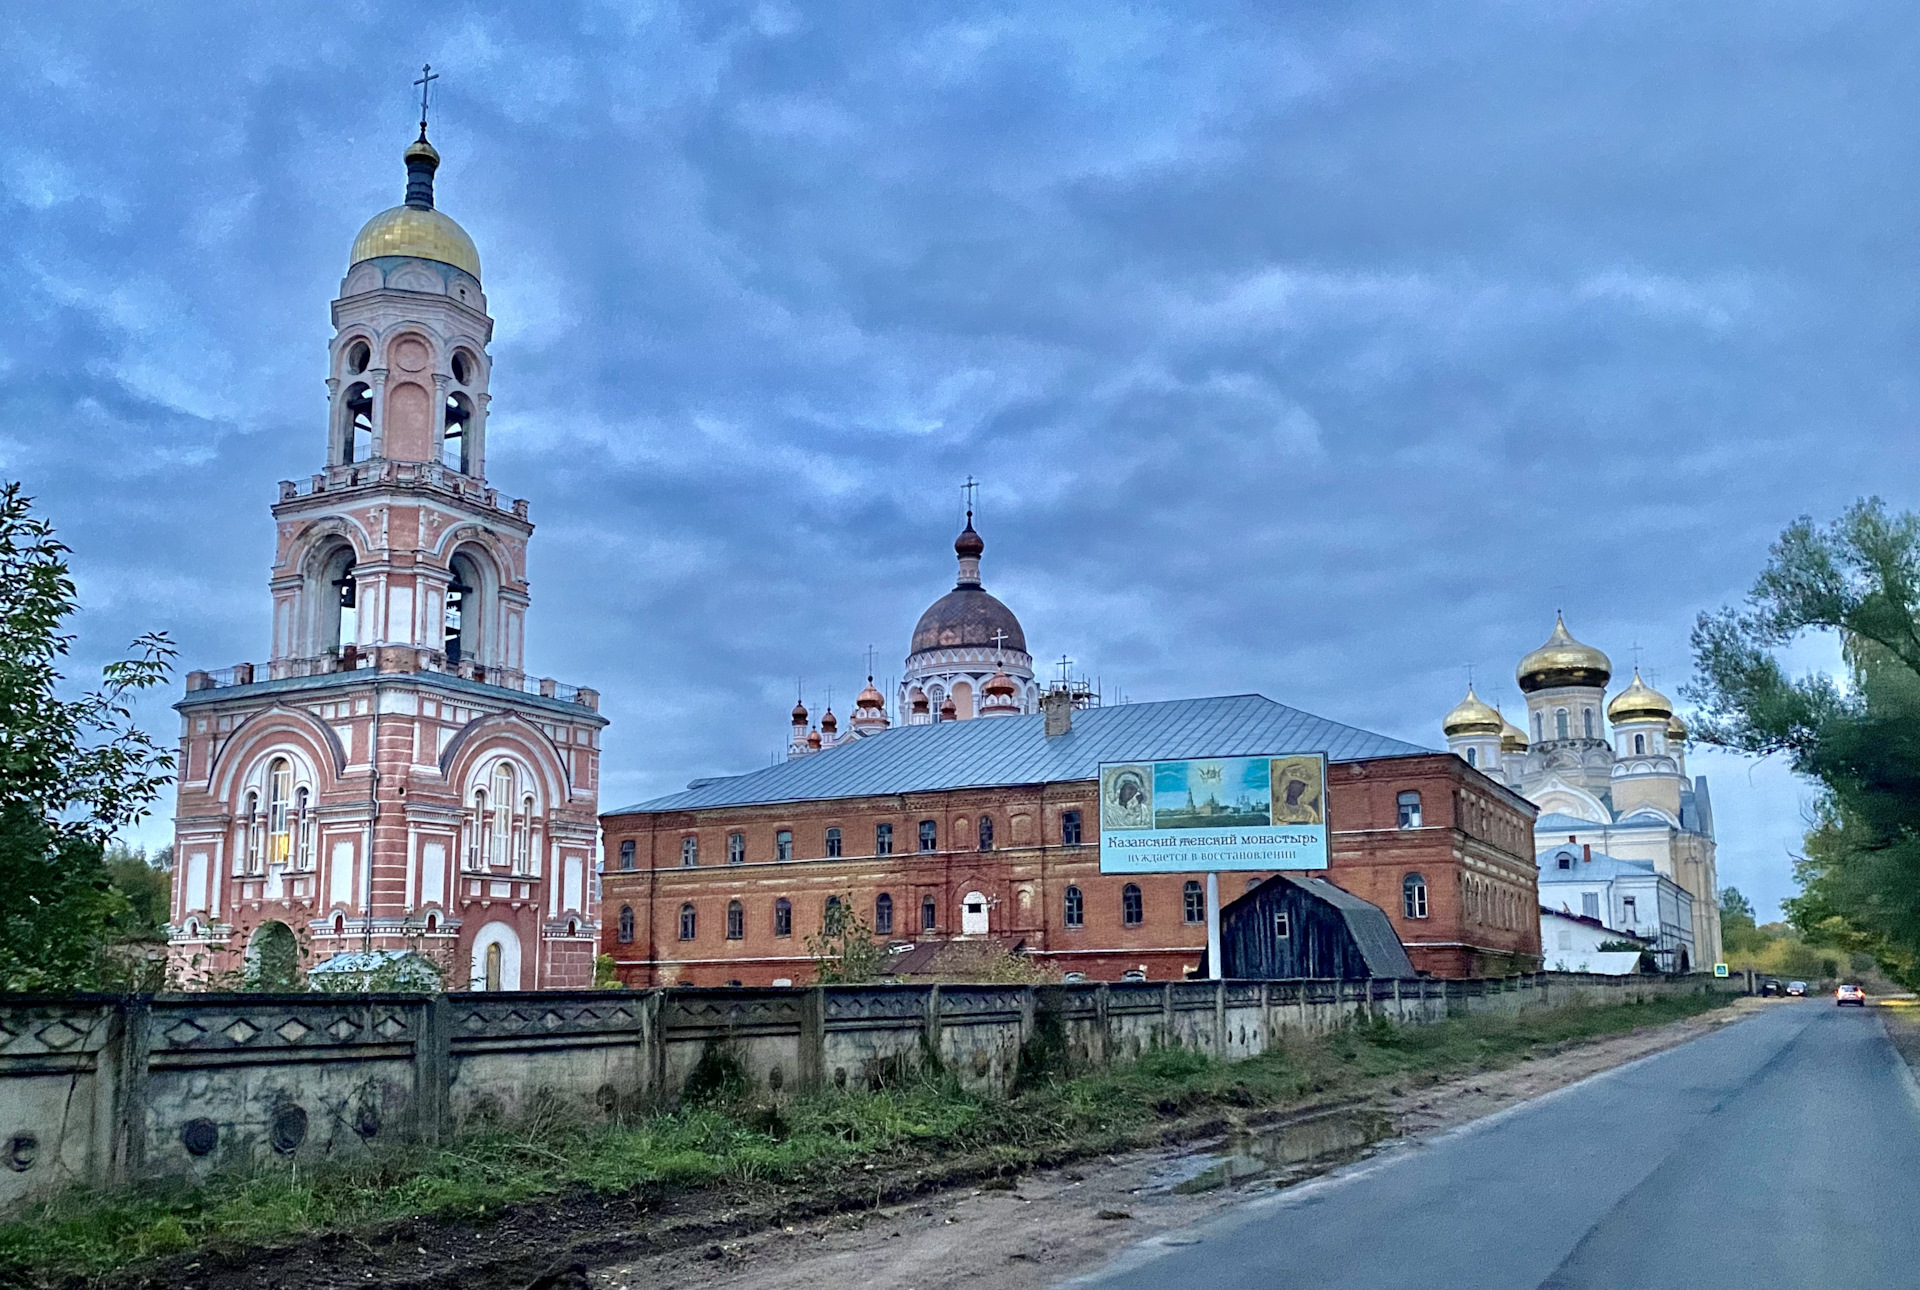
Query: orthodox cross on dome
[[427, 77], [1066, 669], [871, 656], [970, 491]]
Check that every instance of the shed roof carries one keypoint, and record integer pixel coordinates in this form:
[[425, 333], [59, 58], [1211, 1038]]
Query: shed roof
[[1371, 929], [989, 752]]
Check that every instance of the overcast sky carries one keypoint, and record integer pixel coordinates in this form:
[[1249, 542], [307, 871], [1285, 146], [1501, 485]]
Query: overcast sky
[[1315, 350]]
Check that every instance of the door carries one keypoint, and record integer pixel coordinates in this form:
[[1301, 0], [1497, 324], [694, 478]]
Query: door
[[973, 914]]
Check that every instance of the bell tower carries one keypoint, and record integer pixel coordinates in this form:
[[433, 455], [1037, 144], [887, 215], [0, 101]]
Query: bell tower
[[393, 780]]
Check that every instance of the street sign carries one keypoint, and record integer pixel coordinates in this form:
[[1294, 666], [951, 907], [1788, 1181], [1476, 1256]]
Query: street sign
[[1720, 969]]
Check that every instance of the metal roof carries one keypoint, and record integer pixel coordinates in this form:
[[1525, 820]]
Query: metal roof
[[989, 752]]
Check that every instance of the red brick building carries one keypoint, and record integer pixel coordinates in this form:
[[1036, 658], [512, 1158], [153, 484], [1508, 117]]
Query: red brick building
[[989, 828]]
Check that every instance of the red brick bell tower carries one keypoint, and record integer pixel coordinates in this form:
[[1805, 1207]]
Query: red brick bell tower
[[392, 778]]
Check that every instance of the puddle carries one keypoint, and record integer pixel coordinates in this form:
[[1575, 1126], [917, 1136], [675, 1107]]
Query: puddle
[[1283, 1152]]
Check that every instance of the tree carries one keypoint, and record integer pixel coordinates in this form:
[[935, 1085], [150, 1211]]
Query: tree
[[1739, 932], [73, 771], [844, 952], [1857, 737]]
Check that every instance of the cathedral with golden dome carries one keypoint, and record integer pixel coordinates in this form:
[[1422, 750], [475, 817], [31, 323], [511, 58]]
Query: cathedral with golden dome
[[1608, 776]]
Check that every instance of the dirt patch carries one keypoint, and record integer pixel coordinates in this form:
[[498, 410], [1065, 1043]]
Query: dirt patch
[[1057, 1223]]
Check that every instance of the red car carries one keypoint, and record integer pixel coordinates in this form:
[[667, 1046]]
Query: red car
[[1849, 994]]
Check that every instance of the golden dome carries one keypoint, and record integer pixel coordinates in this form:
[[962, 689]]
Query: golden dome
[[870, 697], [1471, 717], [1677, 729], [421, 232], [1512, 738], [1639, 702], [1563, 661]]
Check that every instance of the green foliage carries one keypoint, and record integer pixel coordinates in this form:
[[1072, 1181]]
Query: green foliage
[[1857, 737], [606, 975], [73, 771], [147, 884], [810, 1140], [844, 951], [718, 1078], [1739, 934]]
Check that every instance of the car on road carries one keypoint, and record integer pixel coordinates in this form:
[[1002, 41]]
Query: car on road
[[1796, 989], [1849, 994]]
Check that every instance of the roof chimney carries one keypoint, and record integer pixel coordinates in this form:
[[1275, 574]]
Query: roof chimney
[[1058, 707], [1586, 853]]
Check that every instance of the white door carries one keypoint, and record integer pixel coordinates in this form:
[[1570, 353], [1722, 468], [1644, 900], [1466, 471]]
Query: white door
[[973, 914]]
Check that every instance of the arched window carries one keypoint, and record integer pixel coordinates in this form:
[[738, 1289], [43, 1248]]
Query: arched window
[[929, 835], [689, 852], [688, 924], [356, 428], [462, 621], [1560, 722], [1537, 736], [736, 920], [736, 848], [279, 811], [626, 924], [253, 835], [1409, 809], [1132, 910], [339, 924], [1075, 911], [1413, 893], [496, 965], [1473, 756], [523, 836], [456, 451], [303, 829], [883, 914], [359, 354], [1640, 745], [501, 853], [986, 833], [480, 832], [1586, 719], [626, 854], [1193, 902], [335, 600], [929, 914], [783, 917], [833, 844]]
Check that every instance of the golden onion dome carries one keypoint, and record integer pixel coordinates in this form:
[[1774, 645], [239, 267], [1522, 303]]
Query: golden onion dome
[[415, 228], [1639, 702], [1563, 661], [1512, 738], [1677, 729], [1471, 717]]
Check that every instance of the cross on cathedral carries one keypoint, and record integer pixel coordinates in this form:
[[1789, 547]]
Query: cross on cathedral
[[971, 492], [427, 77]]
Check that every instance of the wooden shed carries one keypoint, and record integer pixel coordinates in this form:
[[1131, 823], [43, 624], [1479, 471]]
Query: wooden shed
[[1287, 928]]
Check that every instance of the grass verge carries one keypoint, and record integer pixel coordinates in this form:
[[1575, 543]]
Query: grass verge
[[82, 1233]]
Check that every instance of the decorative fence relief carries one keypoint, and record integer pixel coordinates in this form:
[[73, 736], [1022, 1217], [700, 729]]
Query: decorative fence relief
[[108, 1089]]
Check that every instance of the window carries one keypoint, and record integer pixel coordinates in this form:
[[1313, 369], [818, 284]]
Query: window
[[1193, 901], [279, 811], [1629, 911], [626, 924], [1282, 926], [626, 854], [929, 914], [462, 367], [356, 432], [833, 844], [1409, 804], [1076, 908], [689, 852], [783, 845], [456, 452], [502, 832], [1565, 939], [986, 833], [883, 914], [687, 923], [1590, 904], [736, 920], [303, 829], [1069, 828], [461, 612], [1413, 894], [929, 835], [523, 836], [1132, 911], [1537, 735], [1560, 722], [830, 919], [358, 356], [783, 917], [736, 848], [1640, 745], [1586, 718], [255, 838], [883, 839], [1566, 859], [1473, 756]]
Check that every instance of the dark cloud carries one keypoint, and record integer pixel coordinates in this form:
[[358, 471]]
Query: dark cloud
[[1322, 351]]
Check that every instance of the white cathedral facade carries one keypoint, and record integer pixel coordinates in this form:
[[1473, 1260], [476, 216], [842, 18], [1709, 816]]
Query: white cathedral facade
[[1608, 775]]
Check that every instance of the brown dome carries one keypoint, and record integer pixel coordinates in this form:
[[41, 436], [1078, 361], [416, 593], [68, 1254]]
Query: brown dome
[[870, 697], [967, 616], [799, 714], [829, 723], [969, 544], [1000, 683]]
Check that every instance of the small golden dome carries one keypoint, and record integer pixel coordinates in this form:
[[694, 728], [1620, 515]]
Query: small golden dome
[[1512, 738], [1639, 702], [1471, 717], [1563, 661], [1000, 683], [870, 697], [1677, 729], [421, 232]]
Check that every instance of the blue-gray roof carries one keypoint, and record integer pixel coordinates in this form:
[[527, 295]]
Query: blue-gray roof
[[992, 752], [1599, 868]]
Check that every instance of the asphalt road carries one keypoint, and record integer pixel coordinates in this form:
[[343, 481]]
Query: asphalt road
[[1783, 1150]]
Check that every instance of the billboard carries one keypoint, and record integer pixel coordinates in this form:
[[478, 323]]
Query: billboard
[[1214, 813]]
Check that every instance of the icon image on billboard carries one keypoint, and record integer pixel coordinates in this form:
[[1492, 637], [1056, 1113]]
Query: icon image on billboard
[[1126, 796], [1297, 792]]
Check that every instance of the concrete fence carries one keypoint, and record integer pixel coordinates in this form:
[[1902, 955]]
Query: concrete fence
[[108, 1089]]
